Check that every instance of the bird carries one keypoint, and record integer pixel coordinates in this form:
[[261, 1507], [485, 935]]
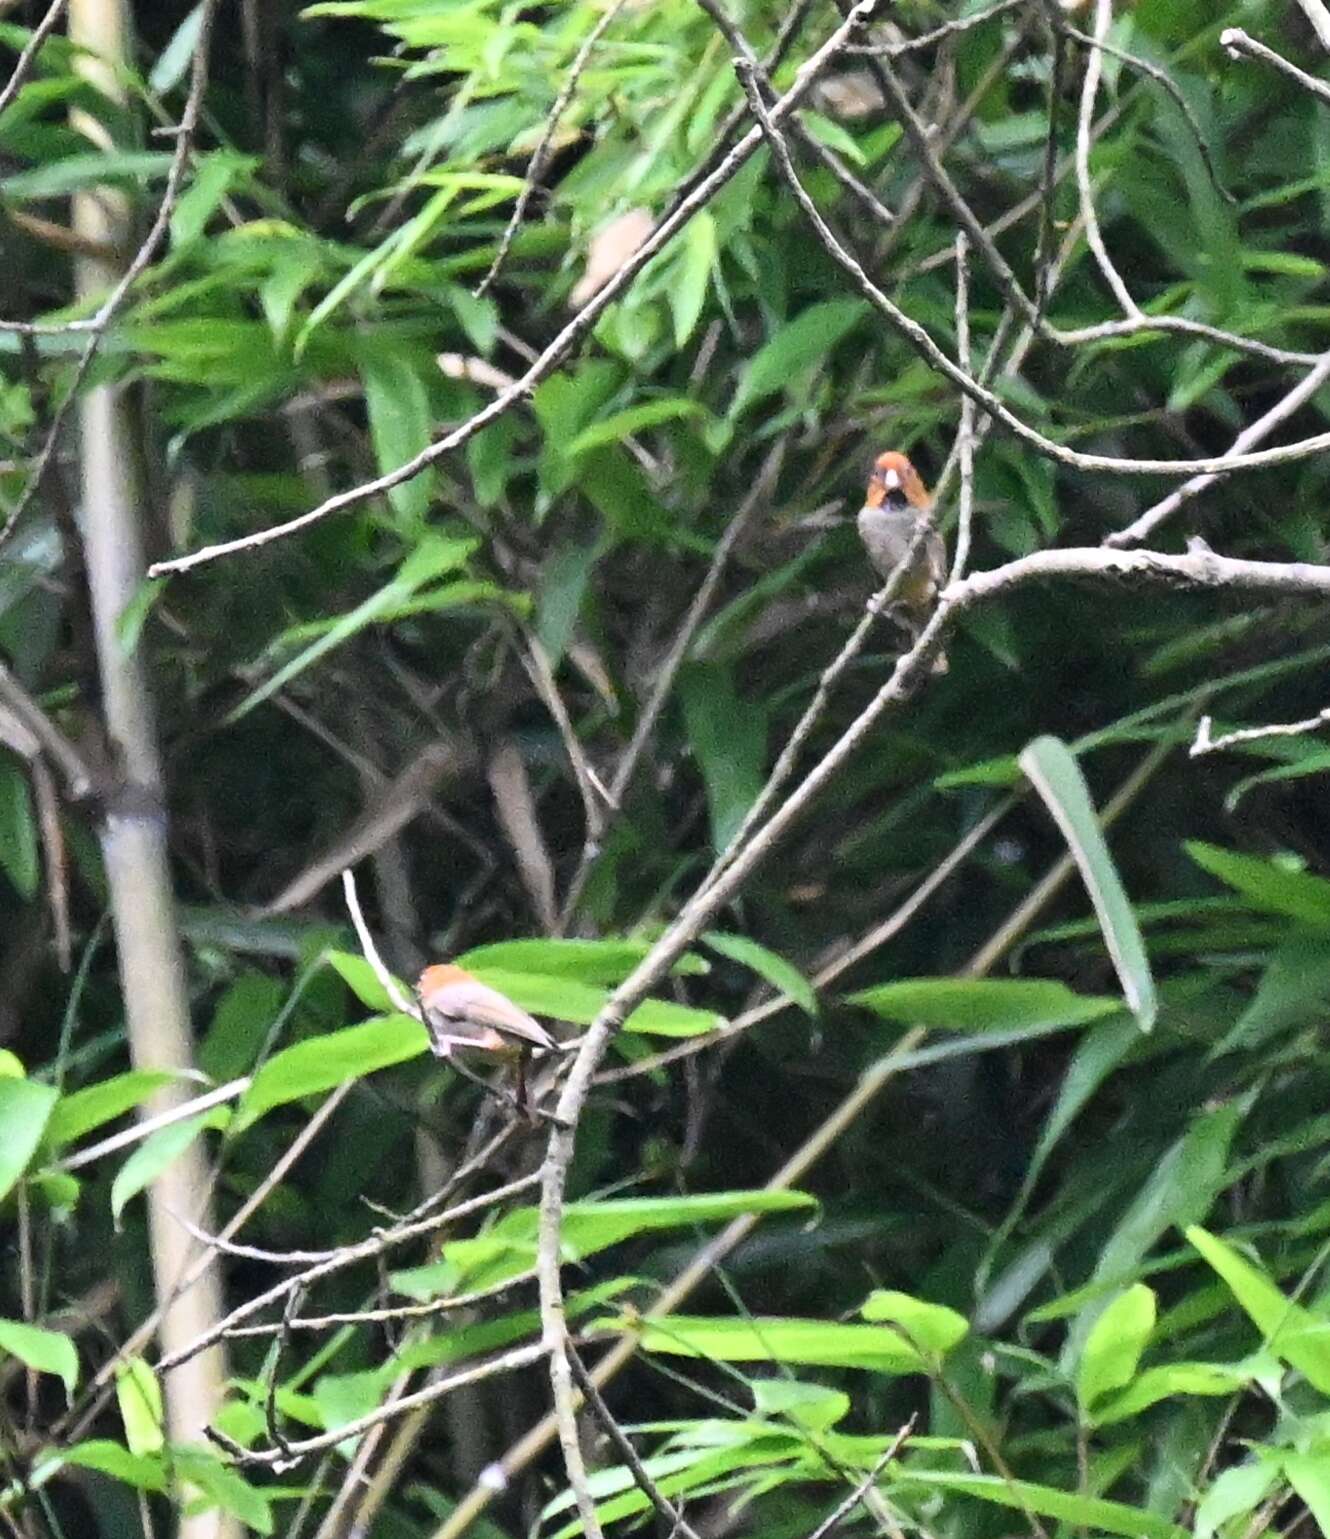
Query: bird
[[459, 1011], [896, 503]]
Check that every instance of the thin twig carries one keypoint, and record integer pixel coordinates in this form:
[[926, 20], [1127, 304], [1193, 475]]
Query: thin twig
[[1143, 527], [149, 1125], [387, 982], [843, 1509], [1236, 42], [938, 34], [23, 64], [348, 1255], [283, 1459], [540, 156], [1103, 19], [679, 1525], [965, 438], [1205, 743]]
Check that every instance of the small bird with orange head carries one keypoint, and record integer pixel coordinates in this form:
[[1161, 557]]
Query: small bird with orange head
[[460, 1011], [896, 504]]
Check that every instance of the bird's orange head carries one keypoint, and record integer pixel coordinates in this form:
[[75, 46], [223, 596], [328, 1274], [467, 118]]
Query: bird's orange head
[[439, 976], [895, 482]]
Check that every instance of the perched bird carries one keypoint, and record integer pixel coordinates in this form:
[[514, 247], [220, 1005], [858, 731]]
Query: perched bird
[[460, 1011], [895, 505]]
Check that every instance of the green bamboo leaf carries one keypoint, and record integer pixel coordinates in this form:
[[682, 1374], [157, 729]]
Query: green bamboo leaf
[[771, 1339], [932, 1326], [783, 976], [321, 1063], [1090, 1512], [1292, 1332], [25, 1108], [1267, 884], [1113, 1349], [156, 1152], [139, 1396], [41, 1350], [983, 1004], [795, 348], [1054, 773]]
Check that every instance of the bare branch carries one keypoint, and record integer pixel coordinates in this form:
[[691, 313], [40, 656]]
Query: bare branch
[[680, 1528], [1205, 743], [1199, 568], [387, 982], [348, 1255], [1236, 43], [23, 64], [938, 34], [1144, 526], [843, 1509], [279, 1459]]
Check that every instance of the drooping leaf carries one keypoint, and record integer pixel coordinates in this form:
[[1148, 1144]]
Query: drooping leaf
[[42, 1350], [25, 1108], [1052, 770]]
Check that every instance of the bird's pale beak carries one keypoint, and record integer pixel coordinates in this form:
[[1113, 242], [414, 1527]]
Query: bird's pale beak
[[891, 480]]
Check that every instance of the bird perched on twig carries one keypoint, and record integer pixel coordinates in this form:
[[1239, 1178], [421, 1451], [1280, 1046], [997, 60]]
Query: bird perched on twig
[[460, 1011], [897, 508]]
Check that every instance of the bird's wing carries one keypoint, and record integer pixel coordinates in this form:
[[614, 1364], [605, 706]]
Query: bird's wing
[[476, 1004]]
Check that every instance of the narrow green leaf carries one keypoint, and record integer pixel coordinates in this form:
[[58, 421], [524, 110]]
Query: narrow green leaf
[[1309, 1475], [1292, 1332], [728, 737], [41, 1350], [156, 1152], [427, 561], [144, 1473], [25, 1108], [139, 1397], [795, 348], [360, 978], [982, 1004], [783, 976], [692, 275], [1267, 884], [20, 856], [1169, 1379], [400, 426], [323, 1062], [174, 59], [933, 1327], [589, 961], [567, 999], [1090, 1512], [1234, 1493], [770, 1339], [647, 414], [1053, 771], [60, 177], [1113, 1349], [134, 616], [223, 1486], [509, 1246], [83, 1110]]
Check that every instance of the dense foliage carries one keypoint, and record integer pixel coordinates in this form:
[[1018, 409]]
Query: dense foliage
[[1087, 1257]]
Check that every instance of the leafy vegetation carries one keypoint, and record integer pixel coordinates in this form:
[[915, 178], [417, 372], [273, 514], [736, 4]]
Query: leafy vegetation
[[994, 1097]]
